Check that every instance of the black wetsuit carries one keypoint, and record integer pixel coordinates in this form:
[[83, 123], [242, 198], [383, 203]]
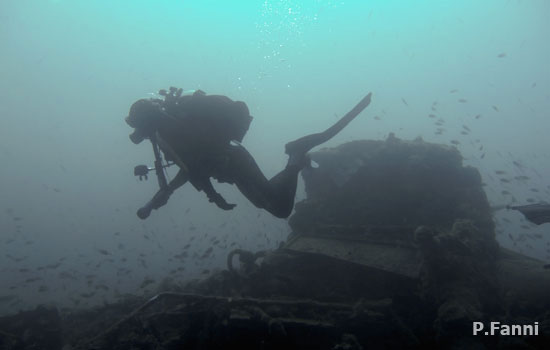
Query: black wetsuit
[[197, 133]]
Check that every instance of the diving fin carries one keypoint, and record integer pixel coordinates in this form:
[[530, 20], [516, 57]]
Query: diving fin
[[304, 144]]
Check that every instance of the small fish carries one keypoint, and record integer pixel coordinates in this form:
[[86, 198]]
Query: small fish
[[376, 117], [521, 177], [455, 142], [495, 108], [67, 275], [481, 148], [482, 156], [404, 101], [534, 190], [103, 251], [432, 115], [466, 128], [453, 91], [102, 286], [478, 116], [33, 279], [146, 282], [182, 255], [464, 132], [53, 266], [504, 192], [517, 164], [504, 180], [500, 172], [534, 84], [501, 55], [207, 253], [462, 100]]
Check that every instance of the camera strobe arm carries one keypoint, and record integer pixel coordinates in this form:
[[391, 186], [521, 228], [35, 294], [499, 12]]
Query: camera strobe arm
[[159, 168]]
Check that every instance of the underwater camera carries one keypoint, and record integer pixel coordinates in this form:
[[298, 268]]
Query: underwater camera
[[143, 170]]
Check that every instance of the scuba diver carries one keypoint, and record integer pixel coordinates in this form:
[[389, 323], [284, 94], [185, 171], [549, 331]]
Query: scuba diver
[[201, 134]]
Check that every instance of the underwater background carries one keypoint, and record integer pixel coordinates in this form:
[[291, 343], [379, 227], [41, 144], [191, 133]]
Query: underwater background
[[471, 74]]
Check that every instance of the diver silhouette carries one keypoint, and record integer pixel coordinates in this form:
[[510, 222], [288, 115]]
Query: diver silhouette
[[201, 134]]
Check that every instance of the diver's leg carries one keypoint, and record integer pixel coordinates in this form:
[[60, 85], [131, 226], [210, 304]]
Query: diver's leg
[[245, 173], [275, 195], [285, 184]]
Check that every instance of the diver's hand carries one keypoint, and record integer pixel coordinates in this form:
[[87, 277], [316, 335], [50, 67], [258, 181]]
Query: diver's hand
[[220, 202], [215, 197], [160, 199], [226, 206], [144, 212]]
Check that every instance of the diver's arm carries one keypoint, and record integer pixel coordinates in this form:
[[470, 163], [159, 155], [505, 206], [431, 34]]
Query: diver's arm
[[161, 197], [180, 180]]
